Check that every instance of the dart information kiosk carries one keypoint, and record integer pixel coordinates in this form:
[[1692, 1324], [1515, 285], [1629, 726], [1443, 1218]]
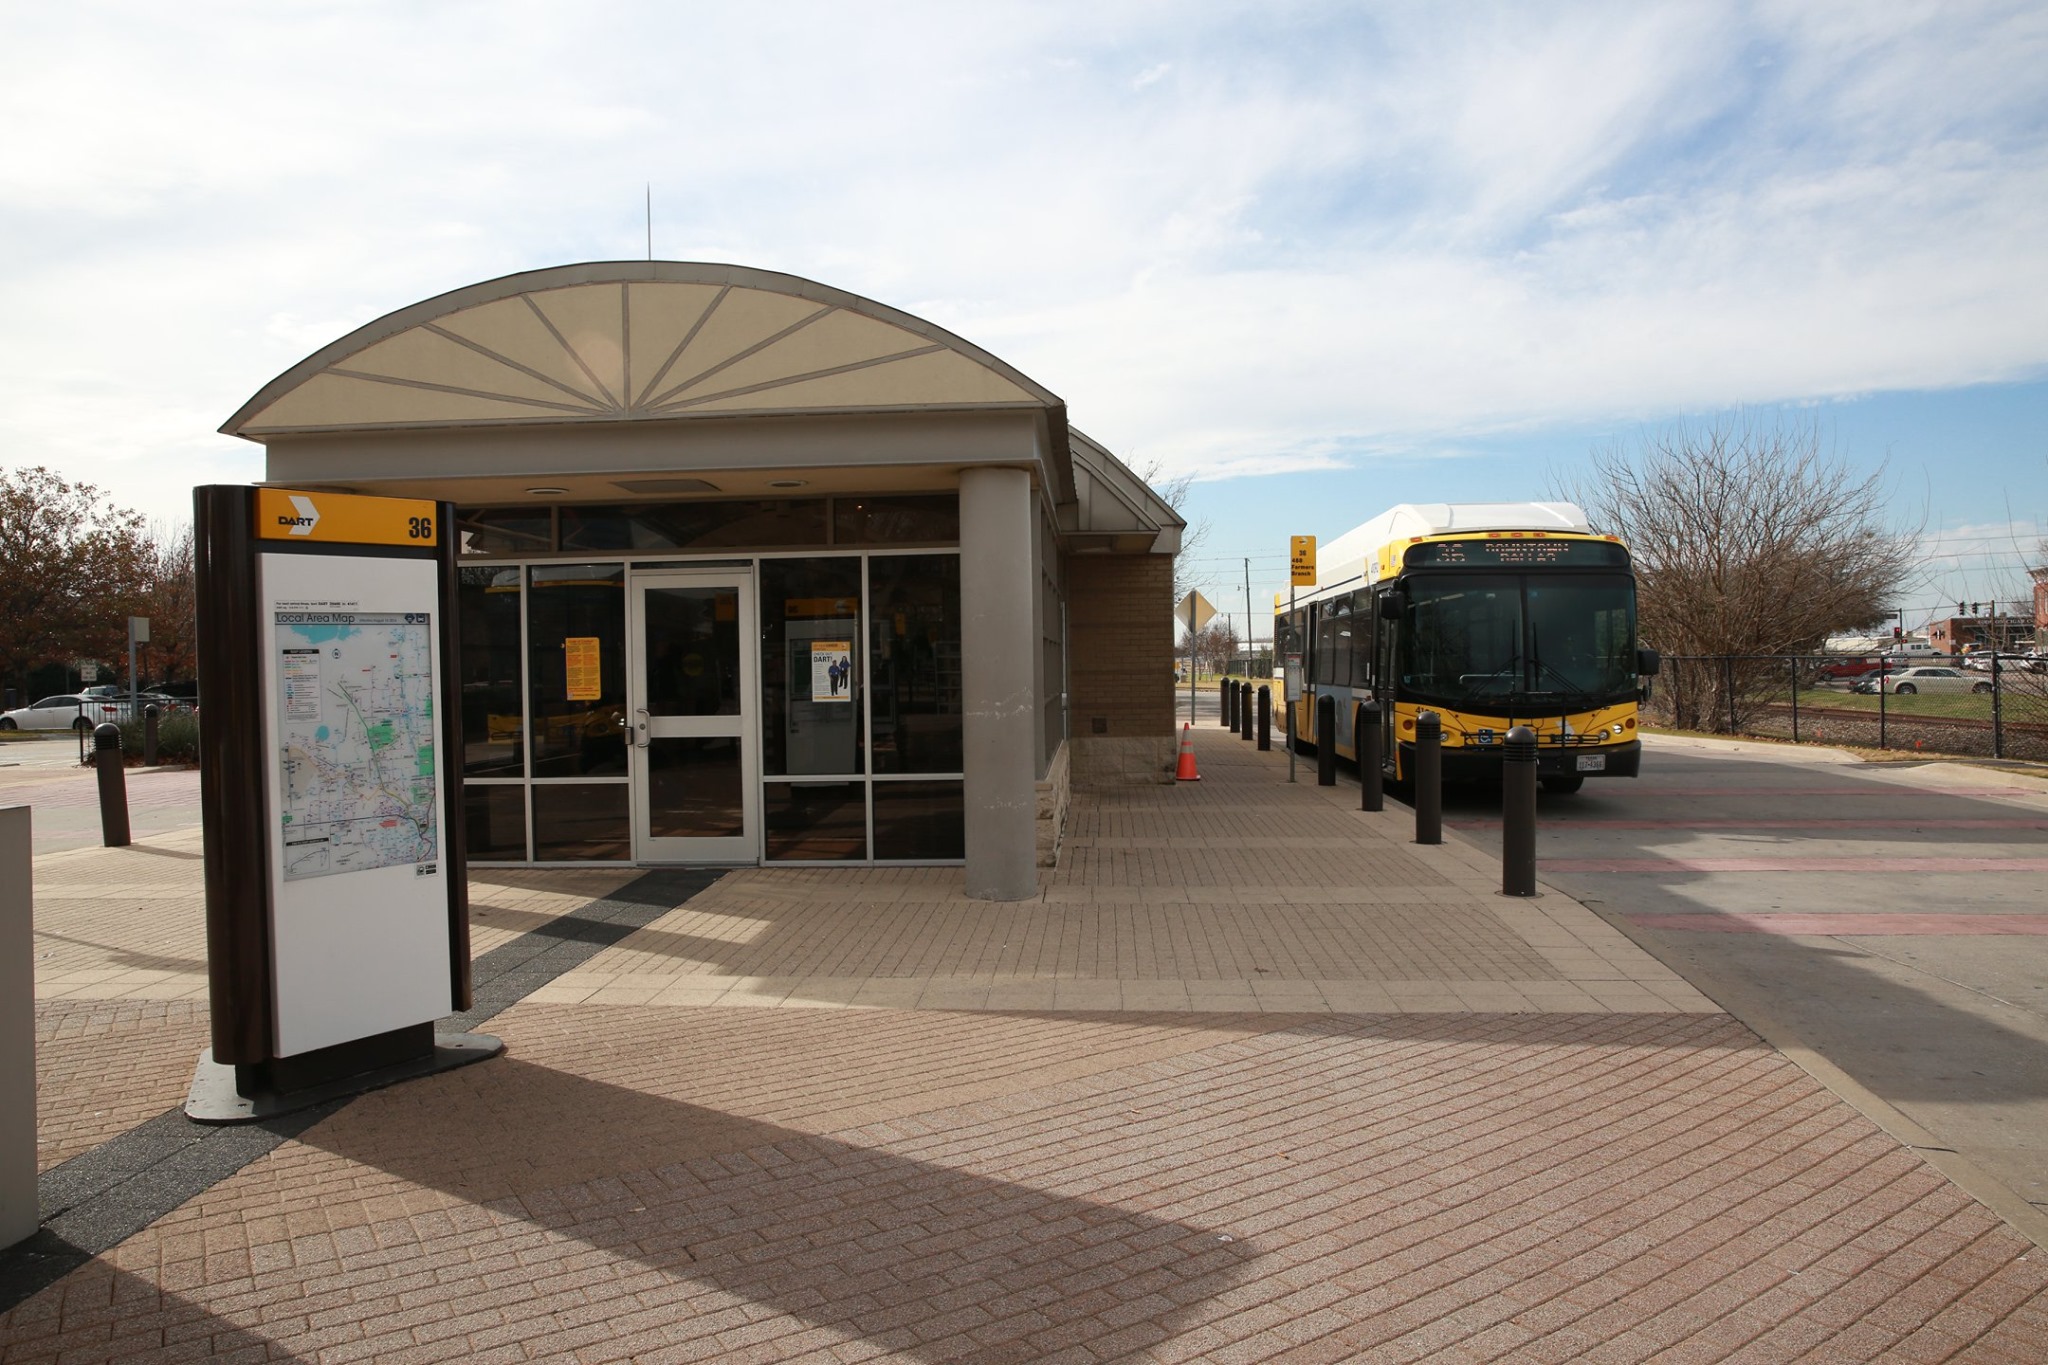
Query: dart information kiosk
[[336, 905]]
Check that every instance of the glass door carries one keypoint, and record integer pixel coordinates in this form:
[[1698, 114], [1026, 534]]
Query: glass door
[[696, 772]]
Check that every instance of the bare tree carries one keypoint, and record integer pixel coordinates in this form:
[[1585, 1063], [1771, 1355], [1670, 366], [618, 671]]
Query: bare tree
[[1215, 646], [1748, 539], [1174, 492]]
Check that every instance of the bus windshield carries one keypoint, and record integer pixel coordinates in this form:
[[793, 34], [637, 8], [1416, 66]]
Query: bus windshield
[[1532, 641]]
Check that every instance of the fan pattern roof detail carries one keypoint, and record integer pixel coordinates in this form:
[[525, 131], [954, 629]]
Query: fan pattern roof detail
[[579, 350]]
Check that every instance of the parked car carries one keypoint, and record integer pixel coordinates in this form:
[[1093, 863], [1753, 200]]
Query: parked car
[[1907, 681], [70, 711], [1839, 670], [2008, 661]]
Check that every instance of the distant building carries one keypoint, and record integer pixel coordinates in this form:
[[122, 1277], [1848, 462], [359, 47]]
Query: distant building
[[1959, 634]]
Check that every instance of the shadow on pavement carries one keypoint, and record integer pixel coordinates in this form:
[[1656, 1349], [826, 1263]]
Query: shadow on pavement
[[905, 1254]]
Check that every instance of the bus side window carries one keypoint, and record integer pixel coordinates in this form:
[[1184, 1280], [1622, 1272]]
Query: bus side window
[[1330, 643], [1361, 639]]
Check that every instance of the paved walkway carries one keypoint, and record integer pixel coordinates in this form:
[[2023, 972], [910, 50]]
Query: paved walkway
[[1253, 1078]]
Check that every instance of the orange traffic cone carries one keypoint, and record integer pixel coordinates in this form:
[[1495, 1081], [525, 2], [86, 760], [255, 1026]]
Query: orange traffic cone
[[1186, 772]]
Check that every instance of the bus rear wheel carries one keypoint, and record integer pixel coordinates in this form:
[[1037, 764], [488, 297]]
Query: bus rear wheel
[[1564, 784]]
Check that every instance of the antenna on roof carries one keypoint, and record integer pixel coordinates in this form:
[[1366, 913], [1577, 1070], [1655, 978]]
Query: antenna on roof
[[650, 220]]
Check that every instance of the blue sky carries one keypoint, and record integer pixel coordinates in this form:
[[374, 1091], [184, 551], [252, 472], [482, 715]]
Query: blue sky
[[1322, 257]]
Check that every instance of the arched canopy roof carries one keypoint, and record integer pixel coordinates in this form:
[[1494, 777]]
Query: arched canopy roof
[[628, 341]]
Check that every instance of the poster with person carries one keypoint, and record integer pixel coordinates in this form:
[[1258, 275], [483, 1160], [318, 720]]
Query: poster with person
[[832, 670]]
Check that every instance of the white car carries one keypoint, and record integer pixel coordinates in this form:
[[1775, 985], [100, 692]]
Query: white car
[[68, 712], [2009, 661], [1907, 681]]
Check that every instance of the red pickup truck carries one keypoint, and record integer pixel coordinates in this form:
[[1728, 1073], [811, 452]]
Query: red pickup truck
[[1838, 669]]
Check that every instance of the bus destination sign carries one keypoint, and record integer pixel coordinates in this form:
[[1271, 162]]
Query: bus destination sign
[[1518, 553]]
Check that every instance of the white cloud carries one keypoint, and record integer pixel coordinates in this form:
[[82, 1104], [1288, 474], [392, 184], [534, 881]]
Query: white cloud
[[1236, 240]]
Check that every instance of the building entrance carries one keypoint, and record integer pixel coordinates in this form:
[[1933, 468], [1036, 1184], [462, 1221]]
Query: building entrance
[[696, 769]]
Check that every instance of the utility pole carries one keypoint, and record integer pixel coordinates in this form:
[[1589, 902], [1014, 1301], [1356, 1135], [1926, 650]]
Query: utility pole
[[1251, 631]]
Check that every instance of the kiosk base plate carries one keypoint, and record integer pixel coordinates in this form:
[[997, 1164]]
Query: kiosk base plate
[[217, 1097]]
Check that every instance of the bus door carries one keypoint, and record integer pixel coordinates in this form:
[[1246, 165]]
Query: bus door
[[1386, 680]]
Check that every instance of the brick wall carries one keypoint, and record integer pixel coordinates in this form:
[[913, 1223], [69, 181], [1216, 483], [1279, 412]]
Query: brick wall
[[1120, 668]]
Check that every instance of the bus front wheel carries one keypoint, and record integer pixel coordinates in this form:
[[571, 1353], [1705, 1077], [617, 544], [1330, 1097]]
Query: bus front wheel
[[1564, 784]]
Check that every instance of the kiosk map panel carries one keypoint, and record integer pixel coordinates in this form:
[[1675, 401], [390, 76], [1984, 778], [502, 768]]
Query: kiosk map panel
[[356, 741]]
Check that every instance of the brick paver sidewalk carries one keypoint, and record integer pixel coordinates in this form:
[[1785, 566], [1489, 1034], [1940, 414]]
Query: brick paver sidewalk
[[1253, 1079]]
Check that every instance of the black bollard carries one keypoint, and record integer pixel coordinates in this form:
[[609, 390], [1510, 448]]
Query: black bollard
[[150, 715], [1371, 781], [1245, 717], [1429, 778], [1226, 703], [1518, 813], [106, 756], [1265, 719], [1326, 741]]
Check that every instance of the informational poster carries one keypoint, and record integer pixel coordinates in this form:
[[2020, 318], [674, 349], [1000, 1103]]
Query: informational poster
[[356, 792], [356, 741], [832, 670], [580, 656]]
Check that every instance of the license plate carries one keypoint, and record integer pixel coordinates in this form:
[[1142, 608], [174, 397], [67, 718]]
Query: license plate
[[1592, 763]]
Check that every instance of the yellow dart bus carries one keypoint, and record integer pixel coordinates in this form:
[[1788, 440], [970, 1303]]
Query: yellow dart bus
[[1492, 615]]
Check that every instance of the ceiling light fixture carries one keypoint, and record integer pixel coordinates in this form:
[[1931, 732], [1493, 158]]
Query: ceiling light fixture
[[786, 483], [548, 492]]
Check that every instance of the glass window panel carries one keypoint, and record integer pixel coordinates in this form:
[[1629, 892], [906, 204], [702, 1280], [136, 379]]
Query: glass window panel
[[814, 821], [893, 521], [576, 667], [693, 788], [762, 524], [693, 635], [505, 530], [923, 820], [810, 715], [487, 623], [575, 821], [914, 627], [494, 822]]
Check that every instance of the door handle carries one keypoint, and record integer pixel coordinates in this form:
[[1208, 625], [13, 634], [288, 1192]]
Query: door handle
[[641, 727]]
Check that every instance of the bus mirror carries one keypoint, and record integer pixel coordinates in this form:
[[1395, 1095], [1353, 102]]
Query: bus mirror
[[1647, 663], [1393, 602]]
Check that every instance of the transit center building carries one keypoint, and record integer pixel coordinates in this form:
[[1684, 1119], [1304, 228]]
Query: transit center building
[[754, 570]]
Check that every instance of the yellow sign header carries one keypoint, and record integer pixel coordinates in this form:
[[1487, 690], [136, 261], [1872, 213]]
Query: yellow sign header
[[344, 518], [1301, 556]]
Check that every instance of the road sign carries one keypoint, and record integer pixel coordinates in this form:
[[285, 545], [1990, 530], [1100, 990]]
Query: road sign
[[1194, 611], [89, 672], [1301, 557]]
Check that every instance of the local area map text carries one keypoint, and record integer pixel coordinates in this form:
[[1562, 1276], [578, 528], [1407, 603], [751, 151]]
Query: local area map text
[[356, 731]]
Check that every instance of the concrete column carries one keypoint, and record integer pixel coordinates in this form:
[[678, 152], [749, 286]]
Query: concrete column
[[20, 1213], [998, 664]]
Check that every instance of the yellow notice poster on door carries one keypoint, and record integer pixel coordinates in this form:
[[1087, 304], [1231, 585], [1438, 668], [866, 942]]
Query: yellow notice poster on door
[[580, 655], [831, 670]]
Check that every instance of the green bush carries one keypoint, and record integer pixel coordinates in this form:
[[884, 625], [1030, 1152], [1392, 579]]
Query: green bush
[[177, 738]]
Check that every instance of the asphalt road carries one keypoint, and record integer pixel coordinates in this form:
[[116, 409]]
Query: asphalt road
[[1890, 919]]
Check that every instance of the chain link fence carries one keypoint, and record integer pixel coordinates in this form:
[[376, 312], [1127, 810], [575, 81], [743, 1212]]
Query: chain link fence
[[1999, 711]]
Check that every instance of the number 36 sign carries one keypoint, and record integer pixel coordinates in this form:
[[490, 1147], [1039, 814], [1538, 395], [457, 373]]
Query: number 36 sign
[[346, 518]]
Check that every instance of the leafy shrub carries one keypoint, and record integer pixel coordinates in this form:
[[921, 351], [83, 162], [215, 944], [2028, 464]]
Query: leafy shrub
[[177, 738]]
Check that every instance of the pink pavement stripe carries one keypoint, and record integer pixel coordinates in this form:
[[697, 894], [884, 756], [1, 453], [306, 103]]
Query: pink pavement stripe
[[1764, 822], [1855, 925], [1885, 866], [1858, 789]]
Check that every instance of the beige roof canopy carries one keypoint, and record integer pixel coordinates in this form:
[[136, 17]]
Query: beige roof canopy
[[642, 345]]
